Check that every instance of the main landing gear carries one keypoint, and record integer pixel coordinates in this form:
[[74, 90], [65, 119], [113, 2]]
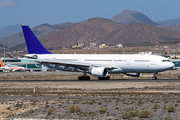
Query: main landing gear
[[104, 78], [154, 77], [84, 77]]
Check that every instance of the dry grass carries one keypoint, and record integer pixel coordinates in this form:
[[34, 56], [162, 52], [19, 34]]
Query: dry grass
[[73, 108]]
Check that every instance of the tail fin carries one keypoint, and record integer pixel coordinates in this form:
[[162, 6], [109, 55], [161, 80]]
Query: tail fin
[[34, 46], [2, 64]]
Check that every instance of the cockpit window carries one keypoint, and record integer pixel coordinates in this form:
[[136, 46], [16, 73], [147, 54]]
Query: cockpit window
[[165, 61]]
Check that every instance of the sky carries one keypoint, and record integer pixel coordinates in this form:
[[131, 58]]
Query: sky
[[36, 12]]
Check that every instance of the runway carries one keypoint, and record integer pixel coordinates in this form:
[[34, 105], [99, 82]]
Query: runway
[[118, 80]]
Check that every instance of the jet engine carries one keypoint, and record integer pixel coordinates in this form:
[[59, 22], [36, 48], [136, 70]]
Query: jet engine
[[134, 74], [99, 71]]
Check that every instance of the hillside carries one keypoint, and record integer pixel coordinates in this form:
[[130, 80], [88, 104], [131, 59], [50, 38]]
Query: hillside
[[172, 23], [9, 30], [138, 33], [108, 32], [128, 17], [99, 29], [95, 28], [13, 41]]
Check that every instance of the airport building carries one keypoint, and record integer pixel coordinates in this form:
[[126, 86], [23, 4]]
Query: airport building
[[30, 65], [176, 63]]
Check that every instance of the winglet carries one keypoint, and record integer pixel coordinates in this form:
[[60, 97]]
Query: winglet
[[2, 64], [34, 46]]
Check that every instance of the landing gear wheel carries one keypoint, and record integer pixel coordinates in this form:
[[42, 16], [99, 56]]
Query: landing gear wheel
[[83, 78], [104, 78], [154, 78], [88, 78]]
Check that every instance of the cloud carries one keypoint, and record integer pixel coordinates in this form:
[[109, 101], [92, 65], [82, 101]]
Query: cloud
[[6, 3]]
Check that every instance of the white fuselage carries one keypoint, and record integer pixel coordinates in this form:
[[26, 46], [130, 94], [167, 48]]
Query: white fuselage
[[13, 68], [123, 63]]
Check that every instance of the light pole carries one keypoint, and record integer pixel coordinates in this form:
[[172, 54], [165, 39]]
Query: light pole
[[4, 51]]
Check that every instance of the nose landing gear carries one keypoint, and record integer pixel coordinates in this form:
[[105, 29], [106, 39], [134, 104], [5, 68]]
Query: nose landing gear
[[154, 77]]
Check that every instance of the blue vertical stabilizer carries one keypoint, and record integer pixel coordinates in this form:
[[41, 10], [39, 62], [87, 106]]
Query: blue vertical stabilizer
[[34, 46]]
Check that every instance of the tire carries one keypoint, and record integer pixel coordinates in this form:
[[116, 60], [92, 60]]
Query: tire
[[104, 78], [80, 78], [154, 78], [88, 78], [83, 78], [107, 78]]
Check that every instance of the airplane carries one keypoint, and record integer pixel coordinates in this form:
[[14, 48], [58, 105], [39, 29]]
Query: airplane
[[11, 67], [99, 65]]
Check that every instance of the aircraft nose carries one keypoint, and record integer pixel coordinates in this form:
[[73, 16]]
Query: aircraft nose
[[171, 65]]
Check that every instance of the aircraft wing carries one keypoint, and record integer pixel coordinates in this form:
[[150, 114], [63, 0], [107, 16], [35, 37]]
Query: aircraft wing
[[78, 65]]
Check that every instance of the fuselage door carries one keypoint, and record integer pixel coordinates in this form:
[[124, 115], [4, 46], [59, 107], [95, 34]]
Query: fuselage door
[[80, 59], [153, 61], [128, 61]]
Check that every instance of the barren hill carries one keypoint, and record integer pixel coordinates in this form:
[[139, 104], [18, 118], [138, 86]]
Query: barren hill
[[16, 40], [9, 30], [127, 17], [108, 32], [142, 33], [172, 23], [94, 28], [103, 31]]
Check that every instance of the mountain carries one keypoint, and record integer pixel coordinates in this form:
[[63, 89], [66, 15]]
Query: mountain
[[140, 33], [94, 28], [108, 32], [127, 17], [99, 30], [13, 41], [57, 26], [172, 23], [9, 30]]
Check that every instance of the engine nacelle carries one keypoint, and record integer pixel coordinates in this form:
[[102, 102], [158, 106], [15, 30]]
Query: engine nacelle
[[99, 71], [134, 74]]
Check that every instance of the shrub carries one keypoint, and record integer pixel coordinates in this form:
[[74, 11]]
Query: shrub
[[167, 118], [155, 106], [34, 103], [9, 108], [171, 108], [144, 114], [47, 102], [73, 108], [129, 115], [135, 113], [102, 110], [18, 105], [50, 111], [126, 115]]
